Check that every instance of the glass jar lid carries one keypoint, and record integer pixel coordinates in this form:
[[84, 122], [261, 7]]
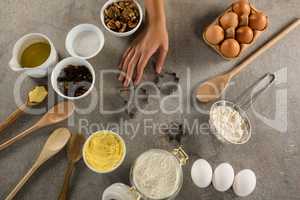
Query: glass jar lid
[[119, 191]]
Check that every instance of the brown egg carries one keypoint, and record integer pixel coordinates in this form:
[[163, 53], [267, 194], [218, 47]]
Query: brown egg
[[244, 35], [258, 21], [229, 20], [214, 34], [230, 48], [241, 8]]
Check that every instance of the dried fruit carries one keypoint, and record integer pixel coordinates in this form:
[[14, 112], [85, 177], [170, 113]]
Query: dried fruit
[[74, 81], [122, 16]]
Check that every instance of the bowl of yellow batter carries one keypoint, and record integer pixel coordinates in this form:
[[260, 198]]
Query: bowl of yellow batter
[[104, 151]]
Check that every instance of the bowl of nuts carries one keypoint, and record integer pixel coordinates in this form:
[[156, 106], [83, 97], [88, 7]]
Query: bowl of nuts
[[121, 17]]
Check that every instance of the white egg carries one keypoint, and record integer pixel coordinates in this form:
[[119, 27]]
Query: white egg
[[223, 177], [244, 183], [201, 173]]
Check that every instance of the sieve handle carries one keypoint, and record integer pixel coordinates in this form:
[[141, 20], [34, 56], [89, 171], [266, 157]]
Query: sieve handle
[[250, 95]]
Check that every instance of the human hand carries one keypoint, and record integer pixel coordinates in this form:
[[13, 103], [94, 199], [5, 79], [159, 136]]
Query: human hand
[[153, 40]]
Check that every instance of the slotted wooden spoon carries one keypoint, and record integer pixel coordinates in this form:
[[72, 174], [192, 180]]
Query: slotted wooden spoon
[[56, 114], [56, 141], [214, 87]]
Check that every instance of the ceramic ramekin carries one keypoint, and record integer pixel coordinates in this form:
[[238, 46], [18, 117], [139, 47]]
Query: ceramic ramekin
[[128, 33], [63, 64], [85, 146], [73, 33]]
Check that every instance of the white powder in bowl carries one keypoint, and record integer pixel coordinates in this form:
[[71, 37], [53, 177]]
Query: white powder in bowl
[[157, 174], [229, 123], [86, 43]]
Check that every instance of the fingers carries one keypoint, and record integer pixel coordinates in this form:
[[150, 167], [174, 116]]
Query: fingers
[[125, 63], [125, 54], [130, 69], [141, 66], [161, 60], [136, 61]]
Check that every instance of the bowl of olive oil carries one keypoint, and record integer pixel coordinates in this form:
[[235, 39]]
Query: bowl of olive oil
[[34, 54]]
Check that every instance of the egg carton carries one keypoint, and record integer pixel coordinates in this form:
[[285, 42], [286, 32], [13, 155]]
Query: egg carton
[[243, 47]]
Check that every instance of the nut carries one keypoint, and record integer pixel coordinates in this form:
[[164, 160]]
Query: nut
[[122, 16]]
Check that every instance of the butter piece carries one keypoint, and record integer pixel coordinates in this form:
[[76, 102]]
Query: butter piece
[[38, 94]]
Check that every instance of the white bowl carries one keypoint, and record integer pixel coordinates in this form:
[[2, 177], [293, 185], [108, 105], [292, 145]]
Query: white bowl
[[114, 168], [74, 32], [63, 64], [109, 2]]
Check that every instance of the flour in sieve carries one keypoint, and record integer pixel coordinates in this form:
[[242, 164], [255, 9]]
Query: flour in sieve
[[157, 174], [229, 123]]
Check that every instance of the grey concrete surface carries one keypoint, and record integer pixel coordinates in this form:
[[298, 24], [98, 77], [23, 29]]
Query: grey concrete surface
[[272, 153]]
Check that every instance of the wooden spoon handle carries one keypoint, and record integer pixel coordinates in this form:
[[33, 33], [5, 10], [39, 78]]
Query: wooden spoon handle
[[12, 117], [265, 47], [21, 183], [64, 191], [18, 137]]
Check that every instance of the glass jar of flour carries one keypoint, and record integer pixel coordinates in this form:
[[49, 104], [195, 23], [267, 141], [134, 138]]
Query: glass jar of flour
[[155, 175]]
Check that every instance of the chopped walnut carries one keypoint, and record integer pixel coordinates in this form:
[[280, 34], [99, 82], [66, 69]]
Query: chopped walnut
[[122, 16]]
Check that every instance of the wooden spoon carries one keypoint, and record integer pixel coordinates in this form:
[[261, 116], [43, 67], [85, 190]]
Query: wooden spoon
[[56, 114], [17, 113], [213, 88], [56, 141], [74, 155]]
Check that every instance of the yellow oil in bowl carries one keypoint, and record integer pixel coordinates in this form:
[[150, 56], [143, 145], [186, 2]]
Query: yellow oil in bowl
[[35, 55]]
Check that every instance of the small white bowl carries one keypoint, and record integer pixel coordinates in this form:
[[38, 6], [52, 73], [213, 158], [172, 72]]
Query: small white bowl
[[63, 64], [128, 33], [74, 32], [88, 140]]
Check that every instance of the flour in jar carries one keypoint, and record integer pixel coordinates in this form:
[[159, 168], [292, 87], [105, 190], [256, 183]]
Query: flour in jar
[[157, 174]]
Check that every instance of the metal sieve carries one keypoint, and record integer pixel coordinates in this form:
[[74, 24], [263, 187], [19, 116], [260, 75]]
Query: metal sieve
[[245, 100]]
